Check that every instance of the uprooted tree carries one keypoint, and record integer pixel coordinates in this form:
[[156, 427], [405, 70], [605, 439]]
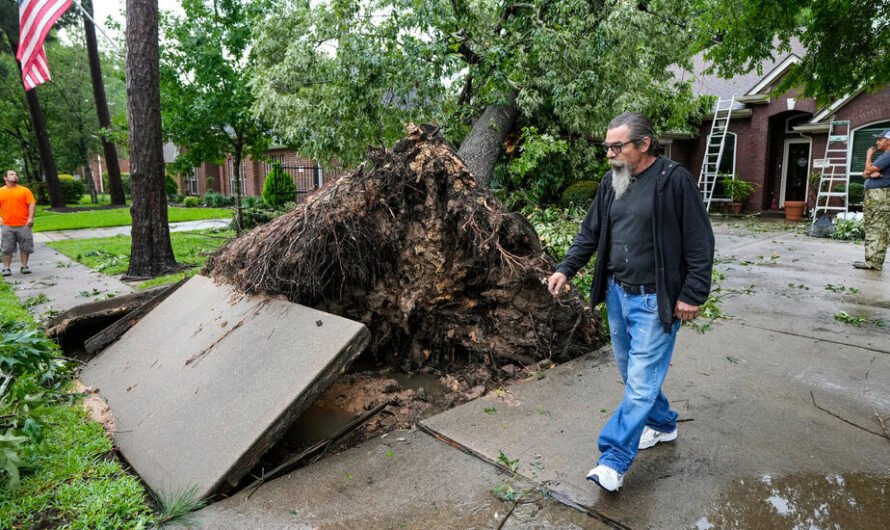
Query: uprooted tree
[[434, 265]]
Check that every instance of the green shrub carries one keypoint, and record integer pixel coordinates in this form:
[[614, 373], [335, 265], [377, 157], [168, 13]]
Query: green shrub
[[170, 185], [215, 200], [856, 194], [581, 193], [852, 229], [557, 228], [736, 189], [253, 217], [72, 189], [253, 201], [125, 182], [191, 202], [278, 188], [176, 198]]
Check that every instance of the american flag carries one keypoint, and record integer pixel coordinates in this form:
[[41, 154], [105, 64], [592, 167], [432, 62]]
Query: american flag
[[36, 17]]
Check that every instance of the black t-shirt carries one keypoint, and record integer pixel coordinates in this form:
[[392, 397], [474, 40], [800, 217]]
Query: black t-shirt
[[632, 250]]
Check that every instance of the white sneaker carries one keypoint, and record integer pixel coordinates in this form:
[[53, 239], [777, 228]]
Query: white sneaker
[[651, 437], [606, 478]]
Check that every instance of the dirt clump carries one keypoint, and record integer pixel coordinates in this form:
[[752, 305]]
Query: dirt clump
[[438, 269]]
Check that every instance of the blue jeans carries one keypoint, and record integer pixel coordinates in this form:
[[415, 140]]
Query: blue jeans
[[643, 353]]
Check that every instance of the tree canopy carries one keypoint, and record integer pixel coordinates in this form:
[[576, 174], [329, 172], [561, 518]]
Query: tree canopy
[[206, 96], [333, 77], [847, 41]]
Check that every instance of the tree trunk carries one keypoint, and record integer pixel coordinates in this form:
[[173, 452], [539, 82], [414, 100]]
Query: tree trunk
[[48, 163], [236, 187], [91, 184], [50, 173], [483, 146], [115, 186], [151, 253]]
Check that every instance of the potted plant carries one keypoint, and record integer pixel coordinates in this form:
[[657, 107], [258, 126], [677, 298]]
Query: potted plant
[[738, 191]]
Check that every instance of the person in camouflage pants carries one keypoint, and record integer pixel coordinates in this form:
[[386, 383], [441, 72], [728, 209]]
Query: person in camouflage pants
[[877, 204]]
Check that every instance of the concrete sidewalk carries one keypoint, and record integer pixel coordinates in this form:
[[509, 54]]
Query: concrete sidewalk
[[58, 283], [778, 407], [111, 231]]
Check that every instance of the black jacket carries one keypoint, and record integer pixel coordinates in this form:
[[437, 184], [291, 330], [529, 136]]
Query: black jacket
[[684, 241]]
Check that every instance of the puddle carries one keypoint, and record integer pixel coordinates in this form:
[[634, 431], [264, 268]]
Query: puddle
[[334, 409], [317, 423], [805, 502]]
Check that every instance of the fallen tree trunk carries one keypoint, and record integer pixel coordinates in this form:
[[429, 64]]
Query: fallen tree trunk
[[411, 246]]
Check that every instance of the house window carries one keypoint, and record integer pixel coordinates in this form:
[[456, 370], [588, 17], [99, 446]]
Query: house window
[[243, 180], [864, 138], [794, 121], [273, 159], [192, 181], [727, 161]]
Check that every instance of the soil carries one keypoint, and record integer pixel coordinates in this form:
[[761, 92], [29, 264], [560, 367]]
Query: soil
[[412, 398]]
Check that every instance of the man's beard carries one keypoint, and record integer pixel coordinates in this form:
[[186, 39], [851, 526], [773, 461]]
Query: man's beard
[[621, 177]]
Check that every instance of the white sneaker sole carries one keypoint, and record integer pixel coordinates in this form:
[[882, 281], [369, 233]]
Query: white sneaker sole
[[596, 480], [662, 437]]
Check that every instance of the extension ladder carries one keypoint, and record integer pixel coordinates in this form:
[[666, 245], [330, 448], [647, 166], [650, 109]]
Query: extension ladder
[[834, 171], [710, 166]]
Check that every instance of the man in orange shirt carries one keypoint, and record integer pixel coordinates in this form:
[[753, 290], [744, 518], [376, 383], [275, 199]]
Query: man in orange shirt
[[17, 206]]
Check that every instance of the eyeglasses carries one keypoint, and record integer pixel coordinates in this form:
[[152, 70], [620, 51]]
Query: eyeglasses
[[618, 146]]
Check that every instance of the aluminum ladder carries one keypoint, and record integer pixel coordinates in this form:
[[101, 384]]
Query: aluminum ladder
[[834, 171], [710, 166]]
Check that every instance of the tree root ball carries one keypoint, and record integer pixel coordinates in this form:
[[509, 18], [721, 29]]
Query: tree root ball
[[435, 266]]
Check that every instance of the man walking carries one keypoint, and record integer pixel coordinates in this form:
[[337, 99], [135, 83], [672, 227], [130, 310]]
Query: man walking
[[655, 250], [876, 210], [17, 206]]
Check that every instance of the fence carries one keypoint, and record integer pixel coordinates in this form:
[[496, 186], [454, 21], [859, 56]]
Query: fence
[[306, 179]]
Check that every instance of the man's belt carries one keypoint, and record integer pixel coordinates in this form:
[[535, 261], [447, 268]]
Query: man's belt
[[636, 289]]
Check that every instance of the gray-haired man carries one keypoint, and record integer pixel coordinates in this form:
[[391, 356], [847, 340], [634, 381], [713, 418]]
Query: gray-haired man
[[655, 250]]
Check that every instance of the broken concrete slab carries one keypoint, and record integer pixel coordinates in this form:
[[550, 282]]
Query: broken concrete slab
[[747, 421], [101, 340], [210, 379], [405, 479], [90, 314]]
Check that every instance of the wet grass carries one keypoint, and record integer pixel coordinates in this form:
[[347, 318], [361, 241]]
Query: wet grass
[[47, 221], [67, 475], [111, 255]]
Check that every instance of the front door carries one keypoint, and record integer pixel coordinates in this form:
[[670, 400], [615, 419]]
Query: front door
[[797, 167]]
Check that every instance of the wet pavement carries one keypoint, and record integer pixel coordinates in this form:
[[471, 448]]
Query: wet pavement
[[779, 405], [781, 401]]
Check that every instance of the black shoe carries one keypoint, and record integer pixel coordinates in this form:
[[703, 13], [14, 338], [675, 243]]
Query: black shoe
[[25, 270], [863, 265]]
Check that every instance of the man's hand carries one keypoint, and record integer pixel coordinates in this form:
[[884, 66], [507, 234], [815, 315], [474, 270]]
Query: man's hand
[[556, 282], [685, 312], [30, 223]]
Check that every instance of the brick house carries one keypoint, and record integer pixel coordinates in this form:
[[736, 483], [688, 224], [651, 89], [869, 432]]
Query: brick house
[[307, 174], [776, 141]]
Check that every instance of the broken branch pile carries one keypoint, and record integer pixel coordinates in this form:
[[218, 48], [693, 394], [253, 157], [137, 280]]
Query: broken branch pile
[[409, 245]]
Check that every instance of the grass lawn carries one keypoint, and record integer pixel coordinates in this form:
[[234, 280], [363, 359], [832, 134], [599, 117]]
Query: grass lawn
[[69, 475], [46, 221], [111, 255]]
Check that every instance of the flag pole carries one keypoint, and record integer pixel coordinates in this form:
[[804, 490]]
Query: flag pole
[[91, 19]]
